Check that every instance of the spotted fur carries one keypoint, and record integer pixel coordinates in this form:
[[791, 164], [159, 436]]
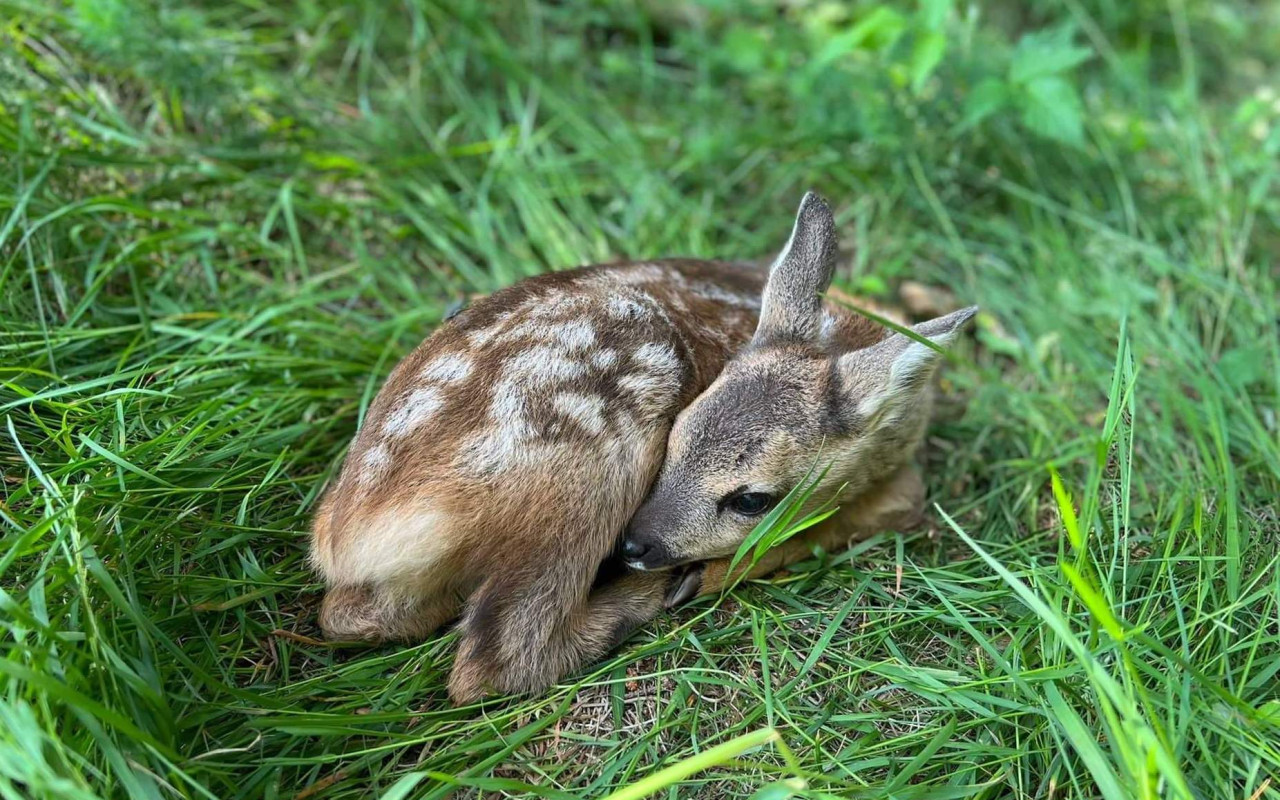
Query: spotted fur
[[500, 462]]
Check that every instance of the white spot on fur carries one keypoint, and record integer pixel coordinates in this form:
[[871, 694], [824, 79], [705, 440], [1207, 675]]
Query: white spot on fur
[[646, 383], [655, 388], [481, 336], [375, 462], [573, 335], [447, 369], [542, 364], [624, 307], [507, 406], [603, 359], [509, 435], [586, 410], [652, 392], [555, 304], [416, 409], [719, 294], [490, 452], [658, 357], [530, 329]]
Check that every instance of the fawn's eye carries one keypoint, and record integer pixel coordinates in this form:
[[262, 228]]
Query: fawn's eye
[[749, 504]]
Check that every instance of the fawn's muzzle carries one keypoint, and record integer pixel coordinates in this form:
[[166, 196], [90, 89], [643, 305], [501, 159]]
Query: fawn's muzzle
[[646, 543], [633, 550], [645, 554]]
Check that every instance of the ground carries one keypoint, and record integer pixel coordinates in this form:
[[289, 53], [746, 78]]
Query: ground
[[221, 223]]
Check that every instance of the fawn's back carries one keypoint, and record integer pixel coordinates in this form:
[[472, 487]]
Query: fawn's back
[[503, 457]]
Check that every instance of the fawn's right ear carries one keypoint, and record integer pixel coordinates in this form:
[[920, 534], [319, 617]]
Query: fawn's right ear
[[791, 309], [886, 380]]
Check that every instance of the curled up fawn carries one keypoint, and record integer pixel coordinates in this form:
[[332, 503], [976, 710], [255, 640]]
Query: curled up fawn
[[505, 458]]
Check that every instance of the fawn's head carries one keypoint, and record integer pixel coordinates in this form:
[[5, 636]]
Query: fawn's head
[[789, 399]]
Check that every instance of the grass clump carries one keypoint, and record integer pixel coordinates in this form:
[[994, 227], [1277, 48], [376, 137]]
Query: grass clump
[[222, 223]]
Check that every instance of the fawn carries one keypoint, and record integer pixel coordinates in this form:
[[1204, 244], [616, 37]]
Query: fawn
[[500, 464], [815, 386]]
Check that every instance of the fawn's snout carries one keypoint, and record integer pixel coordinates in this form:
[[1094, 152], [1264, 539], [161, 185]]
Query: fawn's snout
[[642, 546]]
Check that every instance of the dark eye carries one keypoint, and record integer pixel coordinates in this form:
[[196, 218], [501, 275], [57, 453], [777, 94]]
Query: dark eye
[[749, 504]]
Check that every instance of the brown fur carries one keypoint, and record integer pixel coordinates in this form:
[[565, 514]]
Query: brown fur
[[436, 507], [813, 388], [500, 463]]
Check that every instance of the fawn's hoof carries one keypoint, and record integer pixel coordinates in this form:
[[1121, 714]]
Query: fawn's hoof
[[685, 585]]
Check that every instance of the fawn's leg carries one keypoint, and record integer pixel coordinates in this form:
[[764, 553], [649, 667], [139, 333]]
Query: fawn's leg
[[590, 630], [373, 614], [538, 614]]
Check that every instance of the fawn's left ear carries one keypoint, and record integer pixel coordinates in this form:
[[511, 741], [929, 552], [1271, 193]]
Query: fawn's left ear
[[791, 308], [891, 376]]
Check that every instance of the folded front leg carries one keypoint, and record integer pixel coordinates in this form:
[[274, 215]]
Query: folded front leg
[[542, 645]]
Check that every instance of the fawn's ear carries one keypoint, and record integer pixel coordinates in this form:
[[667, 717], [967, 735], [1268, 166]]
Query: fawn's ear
[[791, 308], [883, 382]]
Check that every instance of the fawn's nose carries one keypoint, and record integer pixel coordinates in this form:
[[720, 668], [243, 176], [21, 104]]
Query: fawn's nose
[[633, 550]]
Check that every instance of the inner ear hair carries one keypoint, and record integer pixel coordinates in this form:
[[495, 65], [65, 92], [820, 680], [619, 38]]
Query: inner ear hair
[[791, 307], [895, 372]]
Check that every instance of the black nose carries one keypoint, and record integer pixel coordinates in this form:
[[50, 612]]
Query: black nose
[[632, 550]]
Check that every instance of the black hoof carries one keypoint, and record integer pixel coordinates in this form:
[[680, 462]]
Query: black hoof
[[684, 586]]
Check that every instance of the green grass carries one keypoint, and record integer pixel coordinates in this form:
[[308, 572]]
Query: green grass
[[222, 223]]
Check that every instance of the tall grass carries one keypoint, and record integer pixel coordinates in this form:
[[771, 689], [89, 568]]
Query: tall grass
[[222, 223]]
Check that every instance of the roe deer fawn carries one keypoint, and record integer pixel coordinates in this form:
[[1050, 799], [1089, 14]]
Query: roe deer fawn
[[500, 463]]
